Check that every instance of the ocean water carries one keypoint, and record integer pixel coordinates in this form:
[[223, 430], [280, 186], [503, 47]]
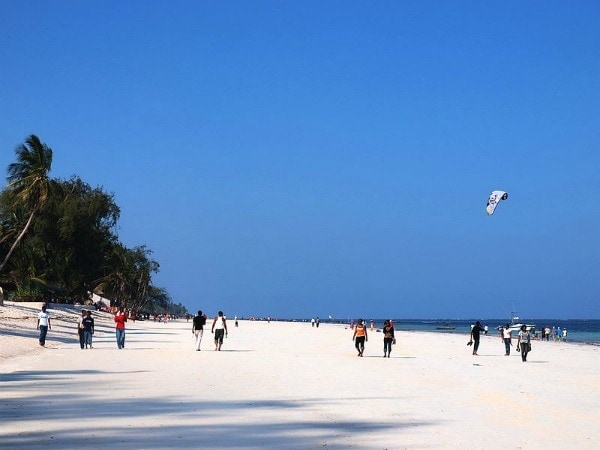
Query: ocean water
[[582, 331]]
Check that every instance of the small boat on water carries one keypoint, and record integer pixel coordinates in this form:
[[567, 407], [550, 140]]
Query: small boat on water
[[445, 326], [516, 324]]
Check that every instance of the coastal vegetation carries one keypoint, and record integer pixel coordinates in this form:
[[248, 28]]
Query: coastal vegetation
[[58, 241]]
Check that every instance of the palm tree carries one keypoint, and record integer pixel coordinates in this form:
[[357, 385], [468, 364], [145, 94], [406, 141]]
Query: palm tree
[[130, 276], [115, 283], [28, 182]]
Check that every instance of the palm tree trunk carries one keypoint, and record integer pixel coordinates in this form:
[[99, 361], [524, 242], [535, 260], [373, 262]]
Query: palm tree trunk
[[12, 248]]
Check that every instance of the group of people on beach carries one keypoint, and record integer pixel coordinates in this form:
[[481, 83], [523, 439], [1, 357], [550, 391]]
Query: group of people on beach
[[219, 328], [523, 341], [85, 327], [524, 338], [557, 334]]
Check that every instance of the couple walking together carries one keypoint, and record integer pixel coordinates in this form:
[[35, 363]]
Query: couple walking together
[[85, 329], [219, 328], [360, 336]]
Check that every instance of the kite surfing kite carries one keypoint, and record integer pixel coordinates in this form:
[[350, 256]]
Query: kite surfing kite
[[495, 198]]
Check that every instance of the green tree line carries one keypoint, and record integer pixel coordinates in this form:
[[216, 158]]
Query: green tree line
[[58, 241]]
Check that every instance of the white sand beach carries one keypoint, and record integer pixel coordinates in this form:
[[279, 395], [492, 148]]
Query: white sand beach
[[283, 385]]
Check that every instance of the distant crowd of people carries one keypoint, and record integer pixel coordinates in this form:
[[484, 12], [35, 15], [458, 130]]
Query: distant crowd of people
[[86, 330], [554, 333], [524, 336]]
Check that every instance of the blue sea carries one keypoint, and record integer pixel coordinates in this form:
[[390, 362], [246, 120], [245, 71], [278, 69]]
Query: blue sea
[[579, 330]]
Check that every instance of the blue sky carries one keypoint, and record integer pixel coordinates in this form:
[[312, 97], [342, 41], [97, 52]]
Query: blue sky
[[311, 158]]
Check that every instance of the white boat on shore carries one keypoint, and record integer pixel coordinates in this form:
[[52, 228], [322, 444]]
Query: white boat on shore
[[516, 324]]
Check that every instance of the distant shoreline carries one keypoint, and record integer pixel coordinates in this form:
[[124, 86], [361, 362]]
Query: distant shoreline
[[18, 328], [581, 331]]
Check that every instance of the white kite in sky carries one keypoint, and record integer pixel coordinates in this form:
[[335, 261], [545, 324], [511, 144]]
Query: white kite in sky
[[495, 198]]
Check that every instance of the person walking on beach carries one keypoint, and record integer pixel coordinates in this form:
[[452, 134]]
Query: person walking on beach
[[475, 336], [524, 342], [219, 327], [198, 328], [88, 329], [80, 328], [120, 319], [43, 324], [388, 338], [360, 337], [507, 339]]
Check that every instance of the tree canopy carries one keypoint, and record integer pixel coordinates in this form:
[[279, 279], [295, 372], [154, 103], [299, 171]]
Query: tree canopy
[[58, 240]]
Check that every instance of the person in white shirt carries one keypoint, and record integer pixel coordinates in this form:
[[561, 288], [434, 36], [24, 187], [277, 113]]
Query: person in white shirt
[[80, 328], [43, 324], [507, 338], [219, 327]]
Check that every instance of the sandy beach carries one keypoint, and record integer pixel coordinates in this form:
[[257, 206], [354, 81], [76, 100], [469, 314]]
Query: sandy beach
[[287, 385]]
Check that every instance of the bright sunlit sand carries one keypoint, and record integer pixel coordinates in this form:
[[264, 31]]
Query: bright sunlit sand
[[288, 385]]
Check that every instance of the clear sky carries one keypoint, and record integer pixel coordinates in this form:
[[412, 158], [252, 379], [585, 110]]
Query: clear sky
[[315, 158]]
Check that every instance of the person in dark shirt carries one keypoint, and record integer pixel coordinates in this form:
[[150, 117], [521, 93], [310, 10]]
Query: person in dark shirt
[[475, 335], [388, 338], [198, 328], [88, 329]]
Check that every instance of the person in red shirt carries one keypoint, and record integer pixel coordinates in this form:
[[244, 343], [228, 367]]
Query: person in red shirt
[[120, 319]]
